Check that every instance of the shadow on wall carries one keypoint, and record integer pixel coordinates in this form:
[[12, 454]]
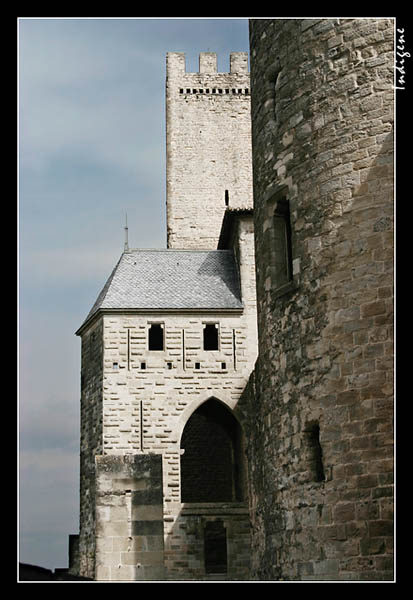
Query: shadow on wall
[[34, 573]]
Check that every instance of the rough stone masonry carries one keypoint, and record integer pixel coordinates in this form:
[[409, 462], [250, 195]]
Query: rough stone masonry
[[319, 408]]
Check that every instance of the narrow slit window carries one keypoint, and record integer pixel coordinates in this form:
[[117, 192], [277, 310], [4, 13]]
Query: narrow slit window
[[316, 466], [211, 336], [143, 366], [282, 243], [226, 198], [197, 365], [156, 337]]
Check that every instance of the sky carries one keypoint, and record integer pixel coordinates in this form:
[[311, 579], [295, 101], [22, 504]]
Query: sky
[[91, 148]]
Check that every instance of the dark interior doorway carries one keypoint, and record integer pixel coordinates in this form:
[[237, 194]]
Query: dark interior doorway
[[212, 466]]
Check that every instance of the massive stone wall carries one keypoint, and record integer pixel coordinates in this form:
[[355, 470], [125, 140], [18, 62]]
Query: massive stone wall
[[320, 403], [208, 136], [129, 518], [91, 443]]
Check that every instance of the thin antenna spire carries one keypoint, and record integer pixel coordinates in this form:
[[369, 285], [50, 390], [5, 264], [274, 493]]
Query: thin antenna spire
[[126, 246]]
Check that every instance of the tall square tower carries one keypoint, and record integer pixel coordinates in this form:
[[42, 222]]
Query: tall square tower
[[208, 141]]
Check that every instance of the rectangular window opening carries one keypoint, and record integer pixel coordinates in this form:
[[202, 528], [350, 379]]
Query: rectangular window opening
[[282, 243], [197, 365], [156, 337], [215, 547], [143, 366], [211, 336], [226, 198]]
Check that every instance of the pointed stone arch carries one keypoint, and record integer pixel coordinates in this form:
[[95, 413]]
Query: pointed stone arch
[[212, 455]]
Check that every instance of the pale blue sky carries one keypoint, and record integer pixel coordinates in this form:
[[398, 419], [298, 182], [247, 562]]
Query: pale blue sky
[[91, 147]]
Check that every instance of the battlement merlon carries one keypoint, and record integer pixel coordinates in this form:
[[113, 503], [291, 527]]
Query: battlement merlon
[[176, 63]]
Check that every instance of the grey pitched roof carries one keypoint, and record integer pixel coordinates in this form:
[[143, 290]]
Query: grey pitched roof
[[171, 280]]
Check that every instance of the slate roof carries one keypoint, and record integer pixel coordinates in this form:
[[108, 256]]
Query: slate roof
[[171, 280]]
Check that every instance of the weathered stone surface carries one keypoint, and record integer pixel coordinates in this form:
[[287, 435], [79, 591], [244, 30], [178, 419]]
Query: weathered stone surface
[[322, 111], [208, 159]]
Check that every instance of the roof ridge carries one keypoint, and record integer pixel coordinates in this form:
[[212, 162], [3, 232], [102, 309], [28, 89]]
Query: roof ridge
[[193, 250]]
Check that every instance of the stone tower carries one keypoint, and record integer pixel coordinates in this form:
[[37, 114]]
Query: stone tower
[[167, 350], [319, 408], [208, 158]]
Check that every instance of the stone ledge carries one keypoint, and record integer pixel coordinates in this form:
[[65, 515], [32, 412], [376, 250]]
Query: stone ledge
[[214, 508]]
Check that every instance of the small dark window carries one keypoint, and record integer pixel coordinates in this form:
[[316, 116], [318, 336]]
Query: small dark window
[[197, 365], [211, 336], [215, 547], [316, 466], [181, 91], [226, 198], [223, 366], [143, 366], [115, 366], [169, 365], [282, 243], [155, 337]]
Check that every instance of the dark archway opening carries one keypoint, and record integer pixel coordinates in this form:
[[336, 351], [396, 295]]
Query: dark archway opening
[[212, 466]]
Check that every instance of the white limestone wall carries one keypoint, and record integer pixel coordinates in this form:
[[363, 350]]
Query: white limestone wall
[[208, 143]]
